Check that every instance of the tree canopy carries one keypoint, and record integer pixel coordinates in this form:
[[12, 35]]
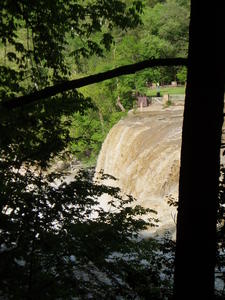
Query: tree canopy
[[56, 241], [47, 26]]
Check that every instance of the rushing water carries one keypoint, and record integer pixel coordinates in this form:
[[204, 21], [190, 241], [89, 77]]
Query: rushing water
[[143, 151]]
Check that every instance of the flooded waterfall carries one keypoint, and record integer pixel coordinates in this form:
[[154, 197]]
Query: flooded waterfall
[[143, 151]]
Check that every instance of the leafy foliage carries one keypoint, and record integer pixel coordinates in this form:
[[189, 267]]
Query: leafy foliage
[[49, 42], [60, 243], [220, 272], [162, 34], [88, 132], [36, 133], [46, 27]]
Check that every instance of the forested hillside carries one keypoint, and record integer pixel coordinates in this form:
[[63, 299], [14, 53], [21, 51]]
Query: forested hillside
[[162, 34], [37, 55]]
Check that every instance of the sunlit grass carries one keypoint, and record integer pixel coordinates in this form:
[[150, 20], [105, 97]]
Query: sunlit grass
[[166, 90]]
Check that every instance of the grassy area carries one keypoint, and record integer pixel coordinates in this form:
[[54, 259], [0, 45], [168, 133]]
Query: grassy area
[[166, 90]]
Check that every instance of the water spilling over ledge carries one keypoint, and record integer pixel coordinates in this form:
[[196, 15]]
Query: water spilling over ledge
[[143, 152]]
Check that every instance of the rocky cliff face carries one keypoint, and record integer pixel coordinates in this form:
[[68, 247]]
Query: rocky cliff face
[[143, 151]]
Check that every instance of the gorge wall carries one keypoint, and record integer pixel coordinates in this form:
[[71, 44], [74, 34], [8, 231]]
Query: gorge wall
[[143, 151]]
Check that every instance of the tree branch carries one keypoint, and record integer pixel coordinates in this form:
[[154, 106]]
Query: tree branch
[[77, 83]]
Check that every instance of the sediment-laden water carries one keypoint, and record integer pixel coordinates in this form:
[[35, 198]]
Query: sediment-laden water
[[143, 151]]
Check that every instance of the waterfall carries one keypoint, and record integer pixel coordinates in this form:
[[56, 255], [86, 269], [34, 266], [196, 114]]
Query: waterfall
[[143, 152]]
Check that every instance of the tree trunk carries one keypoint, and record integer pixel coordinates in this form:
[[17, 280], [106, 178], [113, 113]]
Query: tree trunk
[[200, 154], [119, 104], [101, 120]]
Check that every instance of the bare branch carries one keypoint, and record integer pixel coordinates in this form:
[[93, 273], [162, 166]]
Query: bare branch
[[77, 83]]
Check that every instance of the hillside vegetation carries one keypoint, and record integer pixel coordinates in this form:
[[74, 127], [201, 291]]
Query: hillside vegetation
[[161, 32]]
